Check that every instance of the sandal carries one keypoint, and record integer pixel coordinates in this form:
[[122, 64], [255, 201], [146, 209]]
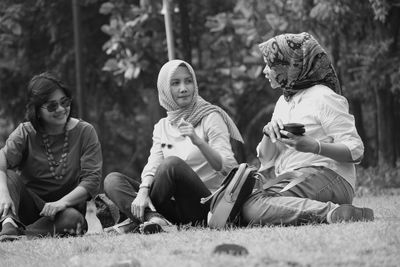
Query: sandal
[[10, 238], [127, 226]]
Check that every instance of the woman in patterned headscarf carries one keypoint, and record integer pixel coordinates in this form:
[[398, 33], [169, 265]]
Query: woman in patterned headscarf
[[190, 155], [315, 171]]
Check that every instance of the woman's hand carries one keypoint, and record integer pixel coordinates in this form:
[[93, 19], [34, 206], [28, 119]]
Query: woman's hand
[[50, 209], [302, 143], [273, 128], [141, 202], [187, 129], [6, 204]]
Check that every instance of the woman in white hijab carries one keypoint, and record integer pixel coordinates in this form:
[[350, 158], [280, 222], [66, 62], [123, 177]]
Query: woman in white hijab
[[190, 155]]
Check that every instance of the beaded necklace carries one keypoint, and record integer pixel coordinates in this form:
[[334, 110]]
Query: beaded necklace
[[50, 156]]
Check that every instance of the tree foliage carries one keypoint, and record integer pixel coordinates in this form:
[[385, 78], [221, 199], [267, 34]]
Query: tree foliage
[[124, 46]]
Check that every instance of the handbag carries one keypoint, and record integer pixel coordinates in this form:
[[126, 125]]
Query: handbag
[[229, 198]]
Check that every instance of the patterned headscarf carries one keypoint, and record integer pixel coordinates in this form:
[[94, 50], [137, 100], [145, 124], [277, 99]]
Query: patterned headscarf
[[197, 109], [299, 62]]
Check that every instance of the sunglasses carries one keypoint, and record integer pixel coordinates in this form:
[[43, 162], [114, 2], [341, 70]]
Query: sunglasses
[[52, 106]]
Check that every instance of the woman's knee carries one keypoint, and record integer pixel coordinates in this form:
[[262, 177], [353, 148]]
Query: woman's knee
[[169, 163], [111, 181], [254, 209], [172, 161]]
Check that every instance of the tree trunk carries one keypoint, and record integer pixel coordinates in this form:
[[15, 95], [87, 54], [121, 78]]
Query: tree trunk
[[78, 59], [358, 116], [185, 31], [384, 96], [385, 122], [397, 128], [394, 21]]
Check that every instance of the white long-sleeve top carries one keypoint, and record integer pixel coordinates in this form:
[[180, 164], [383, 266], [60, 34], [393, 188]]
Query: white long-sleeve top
[[326, 117], [167, 141]]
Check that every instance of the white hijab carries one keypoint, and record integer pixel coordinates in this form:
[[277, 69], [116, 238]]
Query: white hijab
[[197, 109]]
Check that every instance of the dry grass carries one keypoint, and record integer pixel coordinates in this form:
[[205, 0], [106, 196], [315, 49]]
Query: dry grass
[[353, 244]]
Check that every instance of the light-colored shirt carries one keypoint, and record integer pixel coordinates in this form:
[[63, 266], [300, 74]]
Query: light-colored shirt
[[326, 117], [25, 151], [167, 141]]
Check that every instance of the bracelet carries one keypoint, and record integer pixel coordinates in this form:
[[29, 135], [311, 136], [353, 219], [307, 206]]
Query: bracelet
[[319, 147], [144, 186]]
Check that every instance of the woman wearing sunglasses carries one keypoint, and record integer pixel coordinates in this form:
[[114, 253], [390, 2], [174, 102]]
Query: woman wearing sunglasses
[[50, 165]]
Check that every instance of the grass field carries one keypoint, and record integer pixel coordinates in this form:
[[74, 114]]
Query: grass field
[[347, 244]]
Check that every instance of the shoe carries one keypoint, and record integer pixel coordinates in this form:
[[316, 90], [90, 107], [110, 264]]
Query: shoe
[[349, 213], [127, 226], [106, 211], [155, 217], [151, 228], [10, 233]]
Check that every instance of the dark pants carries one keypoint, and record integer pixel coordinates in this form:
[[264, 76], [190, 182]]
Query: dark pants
[[28, 206], [175, 193]]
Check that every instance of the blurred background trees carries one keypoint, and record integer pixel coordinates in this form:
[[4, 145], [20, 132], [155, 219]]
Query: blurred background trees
[[124, 46]]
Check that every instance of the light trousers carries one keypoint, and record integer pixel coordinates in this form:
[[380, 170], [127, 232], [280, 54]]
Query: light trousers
[[307, 202]]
